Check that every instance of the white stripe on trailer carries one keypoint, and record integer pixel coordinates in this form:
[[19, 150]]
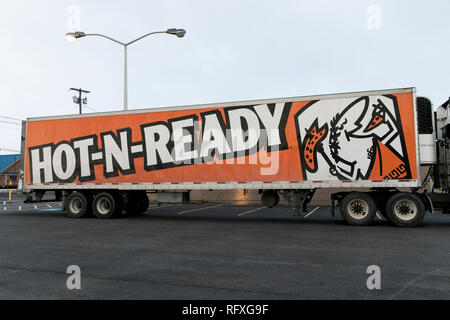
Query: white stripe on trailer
[[250, 211], [250, 185], [193, 210], [35, 206], [20, 208]]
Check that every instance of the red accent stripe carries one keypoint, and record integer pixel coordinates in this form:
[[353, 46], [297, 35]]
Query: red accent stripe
[[135, 183], [294, 181], [174, 182], [267, 181], [346, 181], [221, 182], [98, 183], [404, 180], [242, 182], [317, 181], [377, 180], [197, 182]]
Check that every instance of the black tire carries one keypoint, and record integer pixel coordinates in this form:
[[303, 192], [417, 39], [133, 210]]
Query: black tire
[[358, 209], [77, 205], [405, 210], [137, 203], [107, 205], [270, 198]]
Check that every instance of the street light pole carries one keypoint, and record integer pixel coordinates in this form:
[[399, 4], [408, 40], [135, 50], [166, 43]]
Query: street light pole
[[72, 36], [125, 80]]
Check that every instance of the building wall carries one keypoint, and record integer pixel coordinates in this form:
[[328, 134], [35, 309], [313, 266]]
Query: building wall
[[9, 176]]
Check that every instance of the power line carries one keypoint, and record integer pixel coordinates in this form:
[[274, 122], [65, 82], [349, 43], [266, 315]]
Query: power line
[[6, 149], [9, 128], [11, 118], [90, 108], [17, 124]]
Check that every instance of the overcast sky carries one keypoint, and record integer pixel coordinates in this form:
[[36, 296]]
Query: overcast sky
[[233, 50]]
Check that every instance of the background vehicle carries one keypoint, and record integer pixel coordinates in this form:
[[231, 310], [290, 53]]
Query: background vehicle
[[105, 163]]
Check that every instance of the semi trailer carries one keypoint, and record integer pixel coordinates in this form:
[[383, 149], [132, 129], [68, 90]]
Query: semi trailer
[[371, 145]]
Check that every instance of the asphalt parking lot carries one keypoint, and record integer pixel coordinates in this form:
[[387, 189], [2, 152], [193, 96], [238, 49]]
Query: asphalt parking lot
[[215, 251]]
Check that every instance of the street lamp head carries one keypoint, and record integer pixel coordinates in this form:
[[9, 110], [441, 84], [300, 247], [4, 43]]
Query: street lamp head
[[178, 32], [72, 36]]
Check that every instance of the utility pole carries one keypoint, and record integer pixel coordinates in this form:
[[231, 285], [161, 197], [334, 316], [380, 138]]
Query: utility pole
[[78, 99]]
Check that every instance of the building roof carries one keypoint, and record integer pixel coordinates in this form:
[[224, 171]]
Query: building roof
[[13, 168], [7, 159]]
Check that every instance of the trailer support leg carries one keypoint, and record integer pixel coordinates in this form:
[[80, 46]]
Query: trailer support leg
[[298, 199]]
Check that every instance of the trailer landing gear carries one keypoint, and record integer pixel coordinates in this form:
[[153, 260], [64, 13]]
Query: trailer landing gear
[[299, 199]]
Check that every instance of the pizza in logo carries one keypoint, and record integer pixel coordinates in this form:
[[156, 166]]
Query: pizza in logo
[[352, 139]]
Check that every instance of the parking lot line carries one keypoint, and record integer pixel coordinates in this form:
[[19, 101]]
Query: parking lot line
[[192, 210], [250, 211], [310, 213], [156, 207], [49, 206], [378, 216], [35, 206], [20, 208]]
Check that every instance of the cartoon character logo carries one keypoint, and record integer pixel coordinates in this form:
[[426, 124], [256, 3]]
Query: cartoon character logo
[[352, 139]]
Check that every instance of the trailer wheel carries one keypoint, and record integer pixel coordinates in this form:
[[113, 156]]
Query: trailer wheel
[[358, 209], [270, 198], [405, 210], [77, 205], [137, 203], [107, 205]]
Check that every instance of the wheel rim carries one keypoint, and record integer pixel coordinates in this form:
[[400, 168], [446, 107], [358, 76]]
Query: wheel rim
[[405, 209], [358, 209], [76, 206], [103, 206]]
